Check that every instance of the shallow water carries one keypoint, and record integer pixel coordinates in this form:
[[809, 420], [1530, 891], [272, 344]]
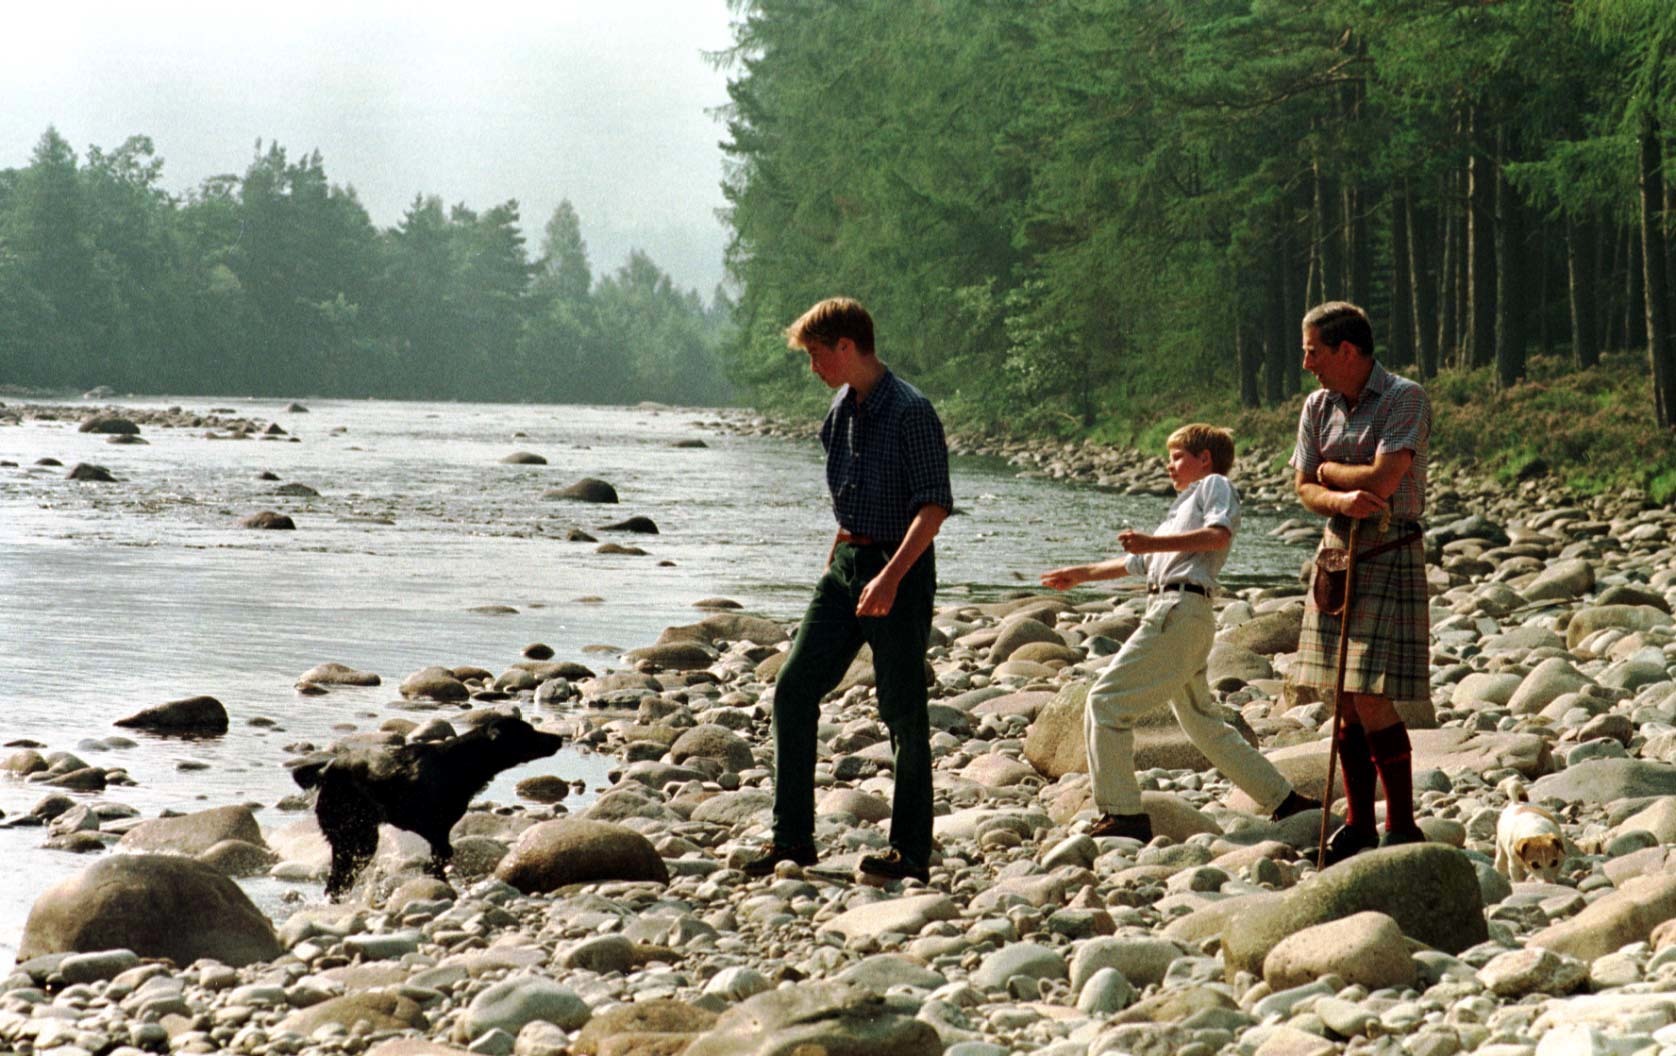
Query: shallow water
[[115, 597]]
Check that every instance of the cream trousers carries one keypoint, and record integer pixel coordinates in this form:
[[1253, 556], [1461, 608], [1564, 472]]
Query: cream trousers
[[1164, 662]]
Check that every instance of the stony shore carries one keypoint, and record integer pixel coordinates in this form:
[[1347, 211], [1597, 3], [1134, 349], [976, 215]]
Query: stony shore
[[627, 926]]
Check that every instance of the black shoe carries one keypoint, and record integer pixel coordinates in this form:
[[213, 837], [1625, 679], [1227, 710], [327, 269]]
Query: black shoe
[[1134, 826], [775, 853], [1294, 804], [892, 866], [1346, 842], [1398, 837]]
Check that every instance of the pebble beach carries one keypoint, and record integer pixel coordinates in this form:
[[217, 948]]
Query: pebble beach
[[622, 923]]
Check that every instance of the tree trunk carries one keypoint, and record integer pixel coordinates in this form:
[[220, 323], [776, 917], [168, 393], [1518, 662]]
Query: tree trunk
[[1653, 271], [1635, 310], [1276, 348], [1585, 353], [1480, 255], [1422, 289], [1246, 355], [1329, 273], [1358, 262], [1401, 341], [1448, 351], [1510, 271], [1293, 360]]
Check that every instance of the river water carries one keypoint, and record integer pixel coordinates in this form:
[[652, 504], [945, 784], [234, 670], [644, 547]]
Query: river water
[[115, 597]]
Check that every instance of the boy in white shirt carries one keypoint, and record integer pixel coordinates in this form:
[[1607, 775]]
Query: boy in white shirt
[[1164, 660]]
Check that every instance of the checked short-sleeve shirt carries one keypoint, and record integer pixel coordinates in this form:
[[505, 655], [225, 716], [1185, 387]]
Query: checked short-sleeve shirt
[[1392, 414], [885, 458]]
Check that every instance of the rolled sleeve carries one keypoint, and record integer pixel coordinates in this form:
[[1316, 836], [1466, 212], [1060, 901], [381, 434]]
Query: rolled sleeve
[[1409, 422], [1135, 564], [926, 453], [1219, 504], [1306, 455]]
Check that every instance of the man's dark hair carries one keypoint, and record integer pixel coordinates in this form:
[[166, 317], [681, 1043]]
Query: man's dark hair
[[831, 320], [1338, 321]]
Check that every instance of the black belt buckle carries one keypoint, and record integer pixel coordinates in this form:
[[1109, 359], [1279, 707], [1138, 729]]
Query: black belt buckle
[[1185, 588]]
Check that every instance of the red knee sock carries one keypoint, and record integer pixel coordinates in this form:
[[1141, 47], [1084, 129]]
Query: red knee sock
[[1393, 756], [1359, 776]]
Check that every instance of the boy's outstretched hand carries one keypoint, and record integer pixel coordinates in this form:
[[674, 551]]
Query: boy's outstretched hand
[[1135, 542], [1065, 578]]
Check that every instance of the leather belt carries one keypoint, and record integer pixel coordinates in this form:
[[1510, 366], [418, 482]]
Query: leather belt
[[847, 536], [1186, 588]]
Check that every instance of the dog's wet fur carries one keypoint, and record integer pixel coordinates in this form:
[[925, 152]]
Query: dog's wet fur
[[423, 787]]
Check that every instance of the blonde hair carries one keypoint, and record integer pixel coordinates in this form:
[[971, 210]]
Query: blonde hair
[[830, 321], [1198, 438]]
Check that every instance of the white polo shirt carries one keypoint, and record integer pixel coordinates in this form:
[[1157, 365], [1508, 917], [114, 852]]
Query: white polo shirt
[[1207, 503]]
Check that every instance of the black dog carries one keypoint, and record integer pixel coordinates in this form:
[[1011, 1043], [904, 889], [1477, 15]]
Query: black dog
[[423, 787]]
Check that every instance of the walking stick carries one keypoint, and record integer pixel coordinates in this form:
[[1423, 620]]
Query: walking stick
[[1338, 690]]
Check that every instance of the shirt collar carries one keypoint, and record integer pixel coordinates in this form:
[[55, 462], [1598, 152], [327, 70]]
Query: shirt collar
[[878, 397], [1379, 379]]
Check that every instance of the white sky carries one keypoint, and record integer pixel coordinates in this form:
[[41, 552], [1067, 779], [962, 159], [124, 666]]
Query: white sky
[[603, 102]]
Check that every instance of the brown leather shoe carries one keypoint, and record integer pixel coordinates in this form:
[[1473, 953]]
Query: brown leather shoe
[[1134, 826], [1294, 804], [893, 866], [775, 853]]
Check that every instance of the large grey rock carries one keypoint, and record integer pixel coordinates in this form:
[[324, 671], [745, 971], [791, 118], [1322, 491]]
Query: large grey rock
[[1430, 890], [511, 1003], [905, 916], [1483, 687], [158, 905], [1452, 749], [1532, 971], [1561, 581], [1522, 640], [1604, 780], [1018, 632], [382, 1010], [831, 1018], [739, 627], [1548, 680], [675, 656], [1028, 959], [1055, 744], [588, 489], [434, 683], [1585, 622], [551, 854], [108, 425], [188, 715], [1613, 921], [1365, 948], [714, 742], [1143, 959], [1228, 660], [656, 1022], [335, 674], [194, 833], [1270, 633]]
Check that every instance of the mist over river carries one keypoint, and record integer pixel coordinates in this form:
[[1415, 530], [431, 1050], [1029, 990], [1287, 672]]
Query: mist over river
[[115, 597]]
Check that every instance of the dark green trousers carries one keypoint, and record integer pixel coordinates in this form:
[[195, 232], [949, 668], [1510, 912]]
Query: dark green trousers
[[827, 641]]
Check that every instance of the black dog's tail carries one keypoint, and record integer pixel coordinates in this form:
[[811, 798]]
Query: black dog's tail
[[307, 770]]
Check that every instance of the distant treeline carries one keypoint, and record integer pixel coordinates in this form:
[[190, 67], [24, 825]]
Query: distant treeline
[[1067, 208], [277, 283]]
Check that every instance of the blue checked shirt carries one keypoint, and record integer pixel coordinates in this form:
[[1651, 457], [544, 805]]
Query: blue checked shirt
[[885, 458], [1392, 414]]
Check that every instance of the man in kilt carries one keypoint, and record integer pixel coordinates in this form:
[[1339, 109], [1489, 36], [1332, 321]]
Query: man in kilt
[[1361, 453]]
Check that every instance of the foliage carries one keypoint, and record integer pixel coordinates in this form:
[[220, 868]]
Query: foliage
[[276, 282], [1066, 214]]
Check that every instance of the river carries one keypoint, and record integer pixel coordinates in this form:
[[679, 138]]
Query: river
[[115, 597]]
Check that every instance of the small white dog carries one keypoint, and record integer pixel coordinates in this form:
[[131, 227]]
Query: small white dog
[[1529, 842]]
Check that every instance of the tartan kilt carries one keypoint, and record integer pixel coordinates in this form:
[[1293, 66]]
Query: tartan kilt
[[1390, 622]]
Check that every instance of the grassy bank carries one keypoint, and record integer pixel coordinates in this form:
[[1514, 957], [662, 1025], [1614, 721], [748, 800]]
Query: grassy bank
[[1590, 431]]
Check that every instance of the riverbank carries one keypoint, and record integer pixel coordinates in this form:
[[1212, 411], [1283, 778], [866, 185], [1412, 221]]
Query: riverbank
[[626, 926]]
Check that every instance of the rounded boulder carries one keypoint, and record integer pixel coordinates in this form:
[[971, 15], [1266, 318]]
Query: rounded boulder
[[158, 905], [565, 851]]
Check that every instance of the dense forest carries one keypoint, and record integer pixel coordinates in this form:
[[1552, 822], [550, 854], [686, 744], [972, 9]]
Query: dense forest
[[1063, 209], [276, 282]]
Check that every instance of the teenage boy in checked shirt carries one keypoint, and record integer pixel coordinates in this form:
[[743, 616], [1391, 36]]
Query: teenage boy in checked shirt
[[1164, 660], [887, 467]]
